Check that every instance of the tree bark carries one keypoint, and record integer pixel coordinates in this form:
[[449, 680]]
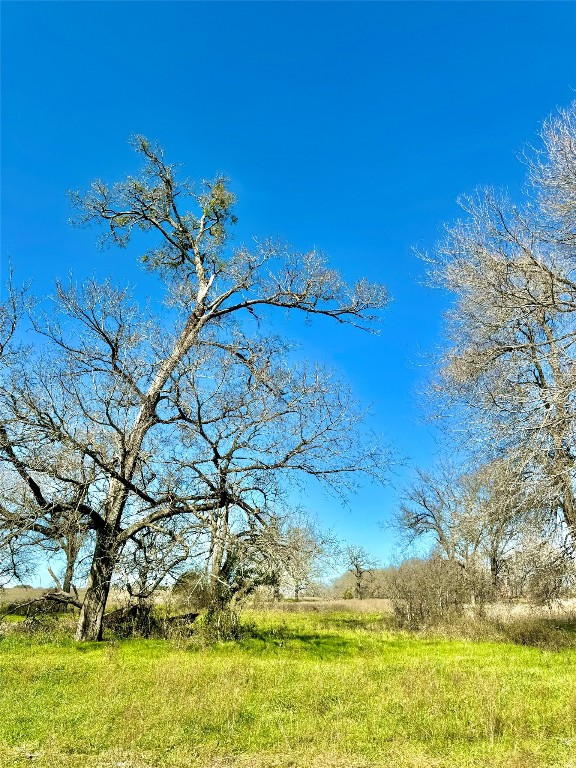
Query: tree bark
[[68, 574], [359, 592], [94, 605], [495, 571], [569, 505]]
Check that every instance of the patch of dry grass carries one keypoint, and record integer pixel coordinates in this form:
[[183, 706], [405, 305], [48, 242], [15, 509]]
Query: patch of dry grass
[[369, 605]]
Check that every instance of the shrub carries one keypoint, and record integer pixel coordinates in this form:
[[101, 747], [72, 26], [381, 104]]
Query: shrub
[[425, 592], [192, 590], [136, 620], [143, 620], [547, 634]]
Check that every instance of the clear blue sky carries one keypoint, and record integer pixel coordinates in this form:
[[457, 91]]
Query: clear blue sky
[[352, 127]]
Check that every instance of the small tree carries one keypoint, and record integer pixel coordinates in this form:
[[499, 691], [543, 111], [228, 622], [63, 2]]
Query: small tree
[[306, 548], [360, 564]]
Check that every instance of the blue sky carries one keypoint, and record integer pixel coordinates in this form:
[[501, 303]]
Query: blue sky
[[351, 127]]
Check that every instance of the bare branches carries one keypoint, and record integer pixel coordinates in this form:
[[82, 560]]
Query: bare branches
[[192, 252], [512, 328], [553, 171], [359, 562], [148, 434]]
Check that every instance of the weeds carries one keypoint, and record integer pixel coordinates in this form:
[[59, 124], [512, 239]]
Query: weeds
[[547, 634]]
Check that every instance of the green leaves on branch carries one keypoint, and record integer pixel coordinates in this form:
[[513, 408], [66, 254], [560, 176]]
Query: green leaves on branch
[[151, 201]]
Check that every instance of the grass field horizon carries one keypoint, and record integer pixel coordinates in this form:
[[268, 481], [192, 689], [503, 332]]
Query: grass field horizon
[[316, 688]]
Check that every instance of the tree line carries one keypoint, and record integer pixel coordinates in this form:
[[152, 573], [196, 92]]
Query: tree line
[[505, 387]]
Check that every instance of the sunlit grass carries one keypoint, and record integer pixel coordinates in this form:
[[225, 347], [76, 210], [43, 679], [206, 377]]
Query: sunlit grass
[[300, 690]]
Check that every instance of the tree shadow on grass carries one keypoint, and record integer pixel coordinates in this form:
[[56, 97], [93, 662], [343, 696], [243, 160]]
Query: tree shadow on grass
[[368, 623], [283, 640]]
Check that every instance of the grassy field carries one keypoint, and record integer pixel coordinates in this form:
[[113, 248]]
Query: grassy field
[[316, 690]]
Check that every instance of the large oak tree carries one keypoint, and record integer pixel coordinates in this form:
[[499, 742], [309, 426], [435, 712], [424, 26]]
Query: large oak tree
[[115, 390]]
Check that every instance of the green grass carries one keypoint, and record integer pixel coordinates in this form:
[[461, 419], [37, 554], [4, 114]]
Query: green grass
[[318, 690]]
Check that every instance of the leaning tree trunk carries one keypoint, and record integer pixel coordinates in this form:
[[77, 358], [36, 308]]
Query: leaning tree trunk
[[67, 582], [108, 541], [94, 605]]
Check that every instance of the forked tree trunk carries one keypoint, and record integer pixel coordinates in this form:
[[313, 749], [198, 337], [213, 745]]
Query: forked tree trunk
[[72, 550], [94, 605]]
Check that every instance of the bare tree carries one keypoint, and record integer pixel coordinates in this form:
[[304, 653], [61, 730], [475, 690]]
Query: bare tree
[[553, 172], [59, 528], [252, 429], [435, 507], [360, 563], [510, 366], [15, 560], [470, 518], [307, 552], [105, 385]]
